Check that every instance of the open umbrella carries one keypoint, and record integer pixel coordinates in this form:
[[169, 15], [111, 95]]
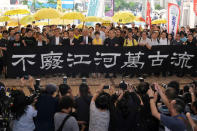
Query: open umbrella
[[73, 16], [123, 17], [41, 23], [159, 21], [47, 13], [27, 19], [59, 21], [17, 12], [13, 22], [4, 18], [93, 19]]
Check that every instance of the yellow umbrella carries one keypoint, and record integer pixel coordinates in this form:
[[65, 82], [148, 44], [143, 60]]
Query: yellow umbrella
[[41, 23], [47, 13], [17, 12], [92, 19], [12, 22], [59, 21], [123, 17], [73, 16], [4, 18], [27, 19], [159, 21]]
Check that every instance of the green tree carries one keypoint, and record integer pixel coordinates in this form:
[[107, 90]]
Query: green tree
[[158, 7], [52, 2]]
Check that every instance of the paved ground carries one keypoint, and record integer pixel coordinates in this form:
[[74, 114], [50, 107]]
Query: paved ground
[[94, 83]]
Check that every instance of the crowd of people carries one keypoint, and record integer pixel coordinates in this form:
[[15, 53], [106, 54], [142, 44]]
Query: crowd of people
[[120, 35], [145, 107]]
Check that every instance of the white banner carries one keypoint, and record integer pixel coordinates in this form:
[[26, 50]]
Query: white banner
[[173, 18]]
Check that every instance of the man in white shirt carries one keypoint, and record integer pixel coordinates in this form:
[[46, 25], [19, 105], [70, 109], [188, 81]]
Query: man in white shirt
[[154, 40], [144, 40], [56, 40], [98, 28], [85, 39], [163, 40]]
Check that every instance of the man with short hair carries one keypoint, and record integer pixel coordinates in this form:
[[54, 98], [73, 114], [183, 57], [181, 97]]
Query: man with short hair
[[85, 39], [98, 28], [57, 39], [29, 40], [177, 40], [177, 121]]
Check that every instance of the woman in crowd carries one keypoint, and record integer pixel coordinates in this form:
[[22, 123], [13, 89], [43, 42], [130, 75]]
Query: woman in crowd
[[170, 39], [83, 106], [99, 111], [24, 112], [63, 120], [130, 41], [97, 40]]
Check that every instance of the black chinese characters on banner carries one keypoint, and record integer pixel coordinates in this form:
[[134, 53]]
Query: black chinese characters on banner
[[87, 59]]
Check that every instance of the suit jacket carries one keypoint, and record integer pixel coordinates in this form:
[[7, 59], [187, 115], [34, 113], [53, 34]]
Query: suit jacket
[[66, 42], [53, 40], [43, 43], [81, 39]]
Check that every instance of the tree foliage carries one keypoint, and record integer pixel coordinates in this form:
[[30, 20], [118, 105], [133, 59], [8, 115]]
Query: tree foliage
[[158, 7], [123, 5]]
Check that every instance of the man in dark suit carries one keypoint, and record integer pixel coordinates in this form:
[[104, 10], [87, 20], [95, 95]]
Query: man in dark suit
[[57, 39], [72, 41], [85, 39]]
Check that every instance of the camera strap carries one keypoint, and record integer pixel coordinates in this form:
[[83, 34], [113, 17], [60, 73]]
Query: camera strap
[[64, 121]]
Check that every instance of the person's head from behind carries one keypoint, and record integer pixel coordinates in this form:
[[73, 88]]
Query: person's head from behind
[[186, 88], [19, 103], [142, 88], [64, 89], [17, 36], [171, 94], [177, 106], [66, 103], [175, 85], [102, 101], [84, 90], [51, 90], [97, 35]]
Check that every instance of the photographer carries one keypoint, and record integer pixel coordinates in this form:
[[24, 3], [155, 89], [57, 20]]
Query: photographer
[[177, 121], [23, 108], [63, 120], [46, 106], [83, 106], [99, 111]]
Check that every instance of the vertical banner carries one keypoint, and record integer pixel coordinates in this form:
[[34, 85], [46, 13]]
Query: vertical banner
[[195, 7], [148, 11], [173, 18], [110, 13]]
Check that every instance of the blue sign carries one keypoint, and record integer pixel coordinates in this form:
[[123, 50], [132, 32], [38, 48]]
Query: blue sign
[[66, 4]]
